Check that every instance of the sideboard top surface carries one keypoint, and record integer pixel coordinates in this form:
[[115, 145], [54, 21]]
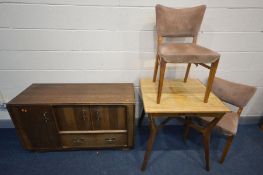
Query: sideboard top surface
[[76, 94]]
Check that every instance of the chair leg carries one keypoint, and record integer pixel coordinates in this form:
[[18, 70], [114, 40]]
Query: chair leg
[[227, 147], [160, 86], [156, 67], [153, 131], [206, 142], [187, 72], [187, 128], [141, 117], [210, 80]]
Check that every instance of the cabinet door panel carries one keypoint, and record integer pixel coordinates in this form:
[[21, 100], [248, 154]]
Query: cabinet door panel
[[73, 118], [108, 117], [36, 126]]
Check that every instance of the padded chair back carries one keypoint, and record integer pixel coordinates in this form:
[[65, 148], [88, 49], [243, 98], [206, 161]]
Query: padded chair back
[[183, 22], [233, 93]]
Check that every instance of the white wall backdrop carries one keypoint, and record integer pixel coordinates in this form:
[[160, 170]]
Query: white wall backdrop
[[46, 41]]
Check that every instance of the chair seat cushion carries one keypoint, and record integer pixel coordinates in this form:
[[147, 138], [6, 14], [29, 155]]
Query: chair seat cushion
[[228, 123], [186, 53]]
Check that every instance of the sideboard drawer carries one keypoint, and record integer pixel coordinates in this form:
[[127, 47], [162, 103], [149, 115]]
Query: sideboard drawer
[[93, 140]]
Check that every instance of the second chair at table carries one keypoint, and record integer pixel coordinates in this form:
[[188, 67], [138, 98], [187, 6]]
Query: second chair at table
[[184, 22], [234, 94]]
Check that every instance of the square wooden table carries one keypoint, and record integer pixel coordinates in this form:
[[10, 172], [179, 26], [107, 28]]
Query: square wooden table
[[179, 99]]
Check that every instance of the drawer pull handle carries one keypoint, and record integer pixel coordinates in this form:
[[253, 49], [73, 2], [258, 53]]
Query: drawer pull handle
[[110, 140], [79, 140], [23, 110], [97, 115], [83, 115], [45, 117]]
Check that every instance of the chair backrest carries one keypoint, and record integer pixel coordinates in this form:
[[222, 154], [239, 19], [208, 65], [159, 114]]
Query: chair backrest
[[183, 22], [233, 93]]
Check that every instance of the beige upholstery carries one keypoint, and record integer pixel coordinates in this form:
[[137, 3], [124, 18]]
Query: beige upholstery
[[186, 53], [233, 93], [184, 22], [228, 123], [179, 22]]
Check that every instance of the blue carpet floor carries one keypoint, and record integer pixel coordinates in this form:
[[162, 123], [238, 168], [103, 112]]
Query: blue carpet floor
[[170, 156]]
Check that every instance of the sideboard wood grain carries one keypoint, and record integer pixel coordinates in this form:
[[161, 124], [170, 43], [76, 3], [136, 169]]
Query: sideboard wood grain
[[74, 116]]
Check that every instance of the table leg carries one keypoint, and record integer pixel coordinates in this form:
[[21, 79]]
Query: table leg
[[141, 117], [163, 123], [153, 131], [206, 140]]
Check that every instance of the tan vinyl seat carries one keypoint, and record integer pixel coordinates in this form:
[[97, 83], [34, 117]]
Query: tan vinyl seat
[[228, 123]]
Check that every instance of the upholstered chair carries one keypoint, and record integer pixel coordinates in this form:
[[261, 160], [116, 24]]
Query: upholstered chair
[[231, 93], [185, 22]]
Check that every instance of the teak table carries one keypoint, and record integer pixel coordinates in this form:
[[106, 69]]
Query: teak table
[[178, 99]]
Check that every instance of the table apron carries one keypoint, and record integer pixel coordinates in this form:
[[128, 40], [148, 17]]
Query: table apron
[[210, 114]]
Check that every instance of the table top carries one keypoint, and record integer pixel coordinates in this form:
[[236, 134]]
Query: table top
[[82, 93], [179, 97]]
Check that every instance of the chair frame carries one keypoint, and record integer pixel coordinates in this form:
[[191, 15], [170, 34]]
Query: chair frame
[[162, 63]]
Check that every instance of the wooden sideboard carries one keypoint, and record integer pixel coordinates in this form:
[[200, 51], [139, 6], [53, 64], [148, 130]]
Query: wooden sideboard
[[74, 116]]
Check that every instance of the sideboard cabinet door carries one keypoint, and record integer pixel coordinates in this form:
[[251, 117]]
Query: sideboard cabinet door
[[109, 117], [73, 118], [36, 126]]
